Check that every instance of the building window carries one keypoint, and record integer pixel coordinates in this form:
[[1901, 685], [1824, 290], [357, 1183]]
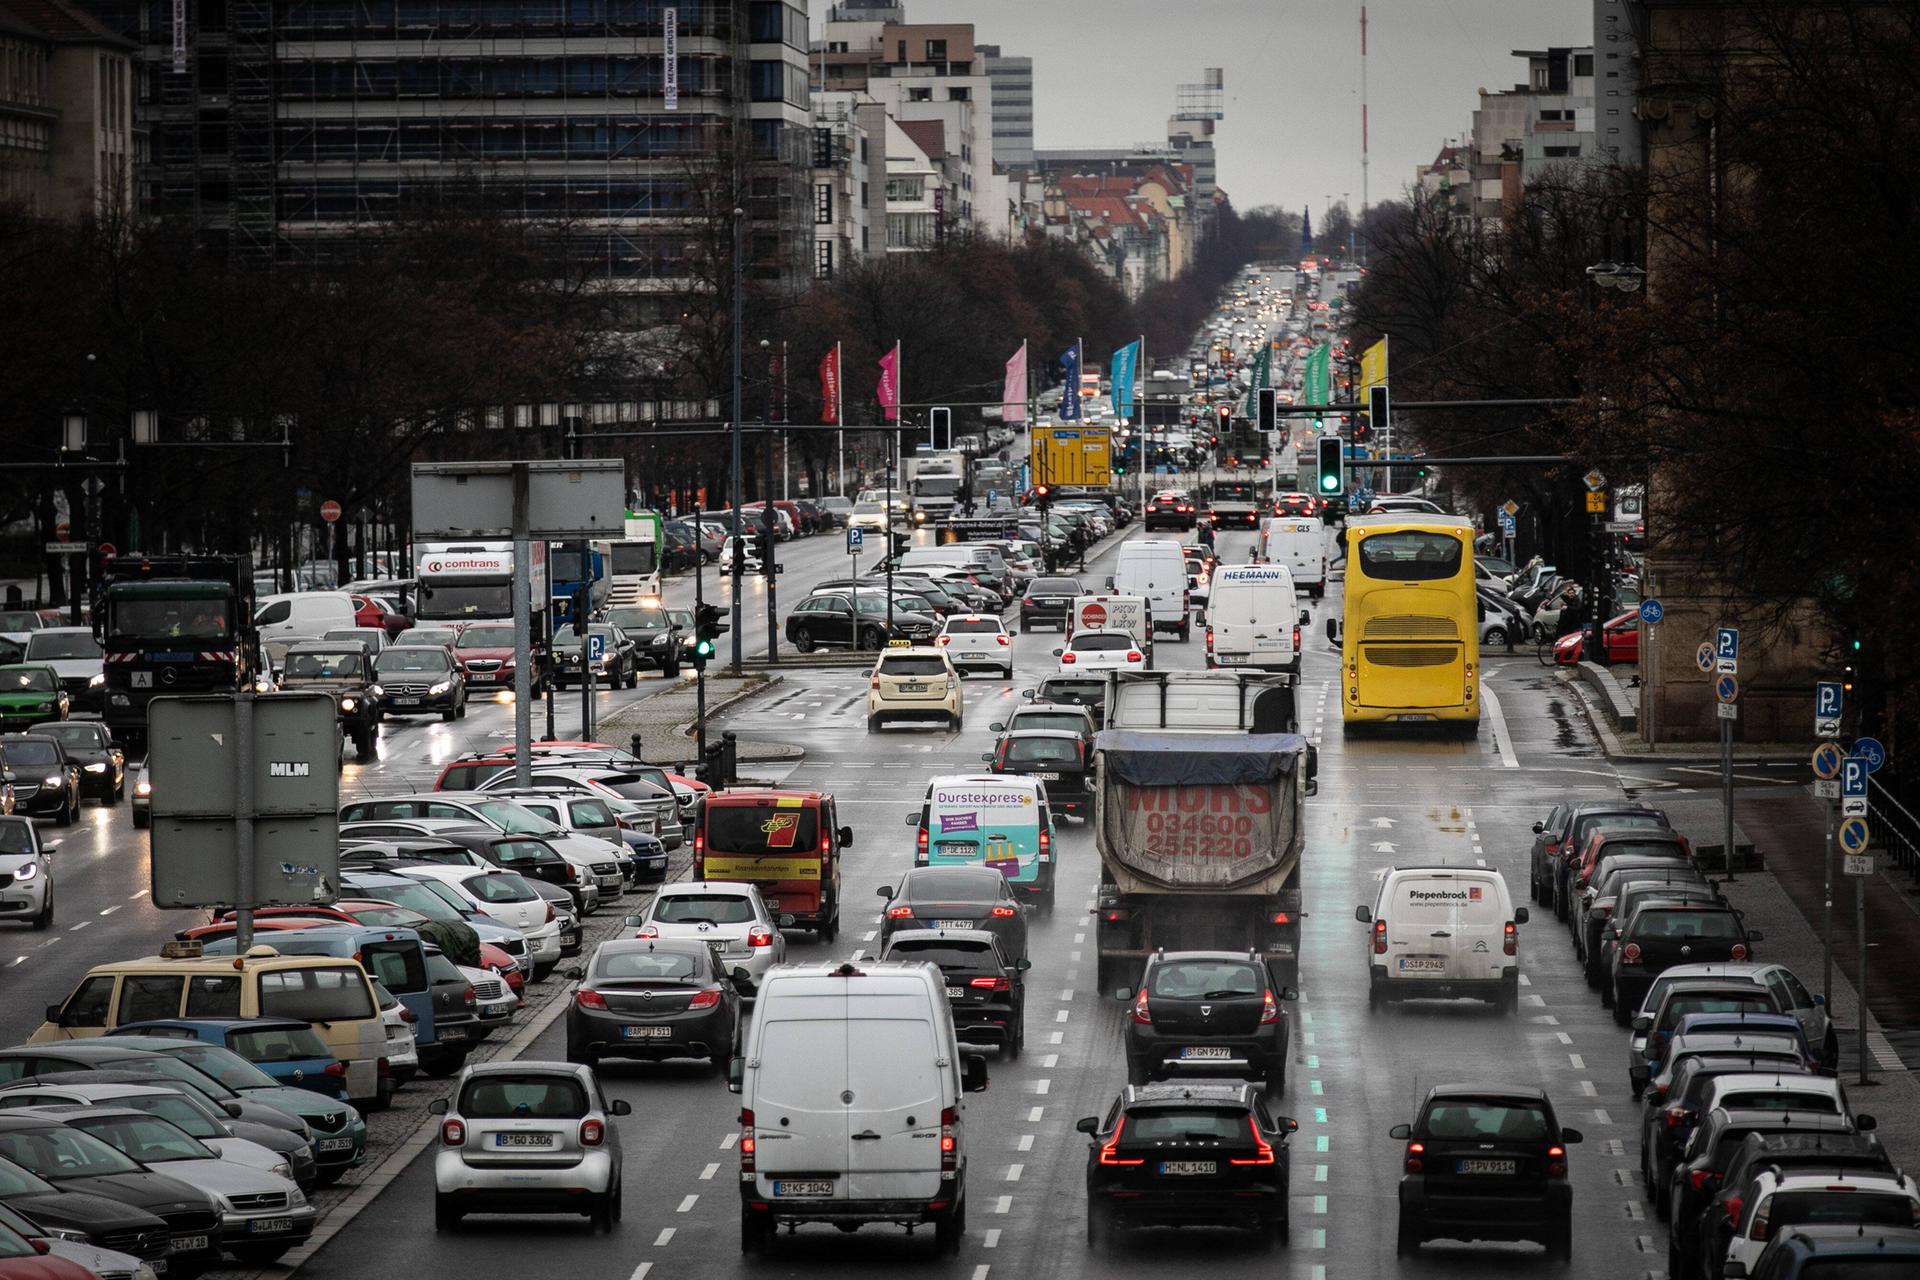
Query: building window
[[936, 51], [822, 148], [919, 95], [959, 94], [822, 203], [908, 188], [823, 259], [767, 80], [900, 51], [1583, 64], [865, 200]]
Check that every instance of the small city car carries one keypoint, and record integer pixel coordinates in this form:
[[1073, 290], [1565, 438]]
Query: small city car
[[1208, 1013], [1486, 1163], [527, 1137]]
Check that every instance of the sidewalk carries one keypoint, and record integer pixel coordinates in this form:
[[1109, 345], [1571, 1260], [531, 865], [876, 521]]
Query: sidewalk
[[664, 722], [1787, 829]]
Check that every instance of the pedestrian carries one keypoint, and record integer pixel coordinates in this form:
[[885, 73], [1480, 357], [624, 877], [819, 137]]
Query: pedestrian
[[1573, 614]]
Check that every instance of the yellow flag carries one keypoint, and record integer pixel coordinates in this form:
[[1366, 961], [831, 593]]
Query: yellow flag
[[1373, 367]]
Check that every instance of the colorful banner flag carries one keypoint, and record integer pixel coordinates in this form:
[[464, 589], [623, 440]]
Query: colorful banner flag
[[830, 386], [1013, 396], [1262, 375], [889, 390], [1318, 380], [1126, 363], [1373, 367], [1070, 383]]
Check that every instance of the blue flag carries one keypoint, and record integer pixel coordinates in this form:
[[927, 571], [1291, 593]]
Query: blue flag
[[1070, 384], [1125, 362]]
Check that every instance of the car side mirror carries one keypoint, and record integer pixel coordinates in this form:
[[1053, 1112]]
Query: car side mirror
[[574, 973], [1519, 915], [1643, 1024], [1754, 935], [48, 846], [619, 1107], [1285, 1124], [633, 922], [438, 1107], [736, 1073], [1288, 993], [1306, 618], [1401, 1131], [1819, 1002], [1027, 694], [884, 891], [1538, 827], [1865, 1124], [998, 726], [1089, 1125], [53, 1014], [846, 837], [39, 1246], [1058, 652], [1363, 914], [233, 1109], [913, 819], [987, 756], [1733, 1269], [1568, 1137], [1333, 632]]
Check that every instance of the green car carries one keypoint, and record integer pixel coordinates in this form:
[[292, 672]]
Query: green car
[[30, 693]]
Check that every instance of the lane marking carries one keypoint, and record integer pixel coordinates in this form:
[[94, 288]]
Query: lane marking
[[1056, 1037], [1538, 1002], [686, 1205], [1040, 1086], [1525, 981], [1051, 1061], [1319, 1173], [77, 928], [1033, 1116], [869, 935], [1315, 1086], [1060, 1016], [726, 1143], [980, 1272], [1066, 993], [1601, 1117], [1320, 1144], [1003, 1205], [110, 910], [1026, 1142], [1579, 1063], [1564, 1038], [993, 1239], [1587, 1090], [706, 1174], [1319, 1115], [1319, 1204], [16, 960], [640, 1272], [1013, 1172], [666, 1234], [1502, 740], [136, 897], [1319, 1237], [1313, 1062]]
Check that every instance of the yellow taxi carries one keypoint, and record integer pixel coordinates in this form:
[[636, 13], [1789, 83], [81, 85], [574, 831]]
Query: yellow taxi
[[914, 682]]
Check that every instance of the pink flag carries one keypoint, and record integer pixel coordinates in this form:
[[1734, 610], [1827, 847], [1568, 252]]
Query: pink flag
[[1013, 398], [889, 391], [830, 385]]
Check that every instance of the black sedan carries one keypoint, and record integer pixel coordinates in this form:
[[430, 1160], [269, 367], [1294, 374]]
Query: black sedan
[[420, 680], [102, 1223], [1486, 1163], [90, 744], [657, 639], [614, 667], [1208, 1013], [1049, 602], [988, 992], [653, 999], [956, 898], [45, 782], [1056, 757], [1075, 691], [1188, 1155]]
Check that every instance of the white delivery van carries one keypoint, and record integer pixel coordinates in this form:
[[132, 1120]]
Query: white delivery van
[[1157, 569], [1299, 543], [852, 1102], [1443, 932], [302, 615], [1130, 614], [1254, 619]]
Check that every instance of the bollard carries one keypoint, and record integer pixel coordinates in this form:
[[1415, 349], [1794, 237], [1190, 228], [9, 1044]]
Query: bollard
[[730, 757]]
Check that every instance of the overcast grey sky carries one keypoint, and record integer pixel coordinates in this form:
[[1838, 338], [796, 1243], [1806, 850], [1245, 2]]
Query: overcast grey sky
[[1105, 72]]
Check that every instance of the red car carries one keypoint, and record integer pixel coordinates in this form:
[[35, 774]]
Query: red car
[[485, 653], [371, 611], [1621, 636]]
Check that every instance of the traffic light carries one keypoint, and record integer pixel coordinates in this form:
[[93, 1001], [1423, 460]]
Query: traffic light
[[1267, 403], [1329, 459], [897, 543], [1042, 496], [1379, 407], [706, 633], [1222, 414], [578, 608], [940, 422]]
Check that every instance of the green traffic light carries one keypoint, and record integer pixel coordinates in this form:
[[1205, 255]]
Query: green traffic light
[[1329, 483], [1856, 646]]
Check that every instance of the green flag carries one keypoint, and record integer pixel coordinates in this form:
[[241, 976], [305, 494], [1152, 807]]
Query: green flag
[[1319, 381], [1261, 365]]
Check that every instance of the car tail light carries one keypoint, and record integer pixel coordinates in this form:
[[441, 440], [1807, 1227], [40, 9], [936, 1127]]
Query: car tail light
[[549, 919], [1656, 1094], [943, 640], [1739, 951], [1046, 842], [1006, 913], [1679, 1117], [1142, 1014], [949, 1141], [1556, 1162], [1209, 639], [470, 997], [1269, 1009], [1379, 937], [1133, 655], [1067, 658], [1003, 638], [408, 1015], [921, 839], [1262, 1149], [760, 937], [1110, 1149], [705, 999], [1151, 508], [1416, 1150], [573, 872], [746, 1145], [336, 1071], [1701, 1179], [592, 1133], [1512, 943], [990, 984], [646, 931], [588, 998], [1631, 953], [874, 683], [899, 913], [453, 1133]]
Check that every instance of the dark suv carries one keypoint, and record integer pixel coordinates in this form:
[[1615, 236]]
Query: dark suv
[[1208, 1013], [344, 671], [1662, 934], [1174, 1155], [1486, 1164], [987, 991]]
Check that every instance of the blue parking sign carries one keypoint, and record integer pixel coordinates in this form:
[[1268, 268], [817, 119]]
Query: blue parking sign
[[596, 646], [1829, 697], [1726, 643]]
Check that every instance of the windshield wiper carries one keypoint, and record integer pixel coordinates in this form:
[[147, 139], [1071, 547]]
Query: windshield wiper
[[1222, 995], [691, 920]]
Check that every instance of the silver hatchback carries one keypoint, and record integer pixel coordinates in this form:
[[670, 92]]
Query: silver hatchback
[[527, 1137]]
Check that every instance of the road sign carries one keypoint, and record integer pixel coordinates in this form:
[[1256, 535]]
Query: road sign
[[1870, 750], [1622, 526], [1726, 650], [1826, 788], [1506, 523], [1857, 864], [66, 548], [1597, 503], [63, 532], [1729, 710], [854, 537], [1826, 760], [596, 646], [1727, 688], [108, 551], [1651, 611], [1853, 787], [1703, 656], [1595, 481], [1511, 507], [330, 511], [1829, 699], [1852, 836]]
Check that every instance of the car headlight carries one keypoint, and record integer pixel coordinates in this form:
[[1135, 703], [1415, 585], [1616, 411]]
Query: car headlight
[[121, 700], [63, 1233], [27, 872], [52, 780], [283, 1170], [376, 690], [296, 1198], [97, 766], [97, 680], [144, 1272], [143, 788], [348, 704], [43, 706], [220, 1202], [441, 688]]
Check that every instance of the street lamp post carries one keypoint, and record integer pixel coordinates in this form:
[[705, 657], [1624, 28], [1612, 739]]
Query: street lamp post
[[736, 500], [1628, 279]]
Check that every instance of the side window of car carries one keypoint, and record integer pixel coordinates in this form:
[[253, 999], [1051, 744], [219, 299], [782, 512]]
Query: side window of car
[[1113, 1117], [1796, 995], [278, 611], [144, 997], [435, 809], [214, 996]]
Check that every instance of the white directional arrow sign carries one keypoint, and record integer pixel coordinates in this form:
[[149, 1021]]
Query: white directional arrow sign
[[1383, 846], [1384, 823]]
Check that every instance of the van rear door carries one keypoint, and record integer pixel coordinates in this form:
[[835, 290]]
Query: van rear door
[[893, 1122], [799, 1117], [1446, 925]]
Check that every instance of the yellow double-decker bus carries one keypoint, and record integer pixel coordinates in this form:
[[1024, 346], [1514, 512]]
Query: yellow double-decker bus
[[1410, 638]]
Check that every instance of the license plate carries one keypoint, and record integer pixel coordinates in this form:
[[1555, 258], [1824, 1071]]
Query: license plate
[[1047, 777], [1228, 659], [956, 993], [1484, 1166], [1204, 1052], [953, 924], [159, 1266], [523, 1139], [913, 688], [495, 1011], [646, 1033], [453, 1034], [788, 1190], [324, 1145], [1422, 964], [269, 1226], [189, 1244], [406, 702], [773, 904], [571, 938], [1187, 1168]]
